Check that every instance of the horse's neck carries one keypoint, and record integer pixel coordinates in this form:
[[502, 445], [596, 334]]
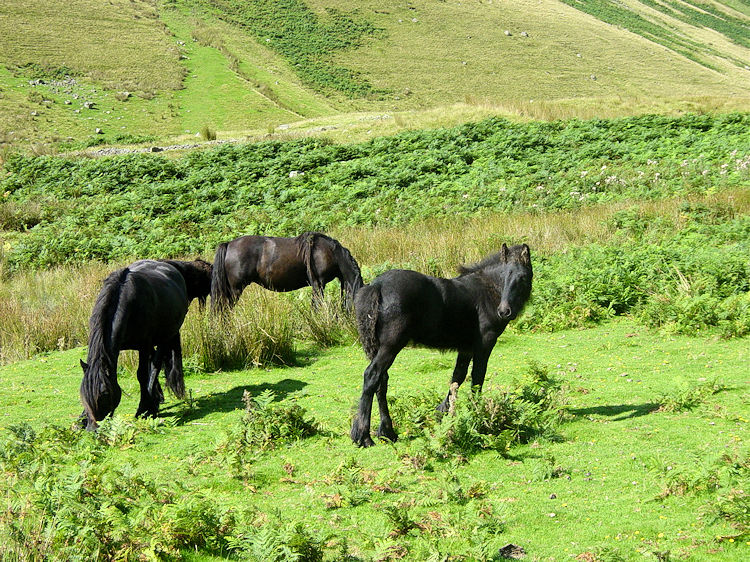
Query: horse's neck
[[490, 286]]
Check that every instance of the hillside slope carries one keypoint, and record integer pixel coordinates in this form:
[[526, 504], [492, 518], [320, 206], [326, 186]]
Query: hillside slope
[[444, 51], [244, 68]]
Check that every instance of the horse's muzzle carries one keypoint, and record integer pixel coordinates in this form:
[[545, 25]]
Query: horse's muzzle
[[505, 312]]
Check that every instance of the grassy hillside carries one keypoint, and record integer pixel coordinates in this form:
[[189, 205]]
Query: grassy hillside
[[352, 68], [613, 425]]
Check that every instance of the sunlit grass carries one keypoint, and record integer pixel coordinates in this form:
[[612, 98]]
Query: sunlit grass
[[569, 65], [617, 479]]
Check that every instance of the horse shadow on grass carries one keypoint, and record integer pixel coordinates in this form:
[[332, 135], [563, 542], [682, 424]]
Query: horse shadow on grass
[[194, 409], [618, 412]]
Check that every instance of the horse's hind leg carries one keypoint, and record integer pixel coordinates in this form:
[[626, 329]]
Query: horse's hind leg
[[173, 370], [385, 430], [154, 386], [459, 376], [374, 377]]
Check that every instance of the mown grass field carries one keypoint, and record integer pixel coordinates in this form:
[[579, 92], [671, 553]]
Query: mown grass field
[[618, 480]]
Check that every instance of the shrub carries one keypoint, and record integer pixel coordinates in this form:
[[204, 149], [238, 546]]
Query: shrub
[[278, 543], [65, 503], [490, 420], [413, 413], [688, 397], [724, 481], [265, 425]]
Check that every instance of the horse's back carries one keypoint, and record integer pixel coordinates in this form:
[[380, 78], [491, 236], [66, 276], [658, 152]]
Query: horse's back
[[153, 304], [428, 310]]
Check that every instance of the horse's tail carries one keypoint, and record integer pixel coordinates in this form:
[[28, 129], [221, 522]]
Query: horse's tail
[[221, 292], [175, 381], [173, 372], [367, 309]]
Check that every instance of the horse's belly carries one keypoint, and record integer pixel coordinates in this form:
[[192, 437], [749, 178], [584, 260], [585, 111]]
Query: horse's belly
[[444, 340], [283, 279], [148, 332]]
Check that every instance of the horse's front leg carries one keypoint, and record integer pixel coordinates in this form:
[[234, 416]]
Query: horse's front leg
[[148, 372], [479, 365], [459, 376]]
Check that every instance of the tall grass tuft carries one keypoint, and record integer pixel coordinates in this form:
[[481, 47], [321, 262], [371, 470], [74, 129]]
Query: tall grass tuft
[[256, 332], [326, 325], [46, 310], [208, 133]]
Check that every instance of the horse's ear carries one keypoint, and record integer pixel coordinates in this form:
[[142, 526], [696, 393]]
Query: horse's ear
[[525, 255], [83, 365], [504, 252]]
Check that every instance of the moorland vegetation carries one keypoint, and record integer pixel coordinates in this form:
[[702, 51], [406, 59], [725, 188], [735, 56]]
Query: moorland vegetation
[[612, 138]]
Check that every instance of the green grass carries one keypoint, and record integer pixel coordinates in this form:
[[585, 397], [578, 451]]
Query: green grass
[[305, 39], [231, 83], [139, 55], [733, 28], [601, 487], [478, 61]]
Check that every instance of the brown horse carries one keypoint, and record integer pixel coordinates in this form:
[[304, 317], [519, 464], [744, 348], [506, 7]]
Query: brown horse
[[282, 264]]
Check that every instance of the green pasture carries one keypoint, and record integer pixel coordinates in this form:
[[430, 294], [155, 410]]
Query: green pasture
[[620, 479]]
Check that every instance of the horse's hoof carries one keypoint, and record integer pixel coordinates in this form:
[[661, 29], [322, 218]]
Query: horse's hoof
[[362, 439], [365, 442], [387, 435]]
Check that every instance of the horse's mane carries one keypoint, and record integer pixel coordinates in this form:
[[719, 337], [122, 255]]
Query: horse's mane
[[512, 253], [100, 324], [354, 274], [305, 243], [195, 273]]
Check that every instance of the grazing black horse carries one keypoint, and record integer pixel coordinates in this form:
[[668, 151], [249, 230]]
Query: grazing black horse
[[466, 313], [282, 264], [140, 307]]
